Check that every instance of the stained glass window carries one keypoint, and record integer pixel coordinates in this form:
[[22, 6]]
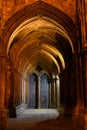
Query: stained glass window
[[32, 91]]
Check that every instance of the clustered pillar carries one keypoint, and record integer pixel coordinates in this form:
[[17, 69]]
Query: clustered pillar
[[3, 110], [54, 93], [85, 76], [58, 92]]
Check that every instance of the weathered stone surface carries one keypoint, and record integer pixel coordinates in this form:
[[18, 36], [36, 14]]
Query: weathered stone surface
[[11, 6]]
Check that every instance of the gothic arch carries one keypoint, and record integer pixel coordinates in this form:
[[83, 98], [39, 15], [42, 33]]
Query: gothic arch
[[42, 9], [53, 53]]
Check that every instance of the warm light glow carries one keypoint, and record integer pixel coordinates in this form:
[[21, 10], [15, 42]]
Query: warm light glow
[[56, 52], [34, 64], [55, 61], [38, 23], [57, 77]]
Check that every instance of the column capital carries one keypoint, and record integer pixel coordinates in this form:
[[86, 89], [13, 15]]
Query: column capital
[[38, 77], [55, 79]]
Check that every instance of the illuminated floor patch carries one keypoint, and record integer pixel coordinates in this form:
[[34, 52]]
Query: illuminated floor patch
[[39, 114]]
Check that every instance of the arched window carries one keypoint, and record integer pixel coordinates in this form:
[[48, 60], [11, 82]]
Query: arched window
[[32, 91], [33, 97], [44, 91]]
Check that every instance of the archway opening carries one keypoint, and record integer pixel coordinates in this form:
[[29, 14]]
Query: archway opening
[[41, 42]]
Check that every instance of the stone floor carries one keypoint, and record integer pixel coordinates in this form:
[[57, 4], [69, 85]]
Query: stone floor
[[38, 115], [45, 120]]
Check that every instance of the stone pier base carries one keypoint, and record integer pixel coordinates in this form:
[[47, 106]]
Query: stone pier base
[[61, 110], [3, 119]]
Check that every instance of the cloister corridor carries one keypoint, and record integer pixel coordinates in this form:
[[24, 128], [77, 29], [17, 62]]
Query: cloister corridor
[[43, 64]]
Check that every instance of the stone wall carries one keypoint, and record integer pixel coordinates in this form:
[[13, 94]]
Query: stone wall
[[9, 7]]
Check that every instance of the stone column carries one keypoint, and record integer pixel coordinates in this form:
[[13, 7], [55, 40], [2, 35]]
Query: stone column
[[82, 40], [20, 88], [26, 87], [54, 92], [60, 108], [38, 93], [8, 85], [23, 90], [2, 80], [3, 111], [12, 107], [57, 92], [81, 19], [85, 83], [15, 84], [79, 109], [85, 74]]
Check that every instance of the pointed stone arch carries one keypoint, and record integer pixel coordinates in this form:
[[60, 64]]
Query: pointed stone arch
[[57, 18], [42, 9]]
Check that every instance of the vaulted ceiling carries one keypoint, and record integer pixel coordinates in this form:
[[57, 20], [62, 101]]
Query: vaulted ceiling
[[40, 43]]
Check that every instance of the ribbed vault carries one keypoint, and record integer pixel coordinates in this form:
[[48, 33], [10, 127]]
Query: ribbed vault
[[40, 41], [40, 35]]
